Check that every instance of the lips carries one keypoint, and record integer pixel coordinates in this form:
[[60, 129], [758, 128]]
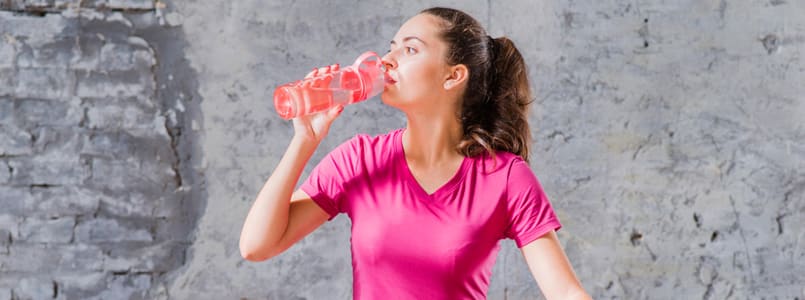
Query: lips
[[389, 79]]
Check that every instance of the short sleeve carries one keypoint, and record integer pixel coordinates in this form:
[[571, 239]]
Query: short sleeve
[[529, 211], [326, 183]]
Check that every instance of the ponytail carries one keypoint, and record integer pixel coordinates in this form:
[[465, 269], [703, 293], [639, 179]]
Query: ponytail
[[494, 112], [510, 94]]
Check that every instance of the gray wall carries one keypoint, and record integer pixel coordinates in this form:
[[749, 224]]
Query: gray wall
[[97, 196], [134, 136]]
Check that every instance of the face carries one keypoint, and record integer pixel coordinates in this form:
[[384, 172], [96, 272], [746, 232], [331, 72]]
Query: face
[[416, 65]]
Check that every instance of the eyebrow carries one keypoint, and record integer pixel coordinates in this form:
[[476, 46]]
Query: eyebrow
[[410, 38]]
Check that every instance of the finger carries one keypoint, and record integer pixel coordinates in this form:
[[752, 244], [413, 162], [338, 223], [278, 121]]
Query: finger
[[312, 73], [334, 67], [335, 111], [305, 83]]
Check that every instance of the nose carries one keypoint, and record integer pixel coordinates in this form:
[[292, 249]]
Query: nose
[[388, 61]]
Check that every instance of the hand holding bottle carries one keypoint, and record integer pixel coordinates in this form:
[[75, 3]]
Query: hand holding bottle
[[314, 127]]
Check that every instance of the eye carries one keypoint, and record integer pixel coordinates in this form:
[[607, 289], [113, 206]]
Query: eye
[[410, 50]]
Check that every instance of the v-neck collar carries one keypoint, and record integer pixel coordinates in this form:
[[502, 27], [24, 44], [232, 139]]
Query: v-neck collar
[[446, 188]]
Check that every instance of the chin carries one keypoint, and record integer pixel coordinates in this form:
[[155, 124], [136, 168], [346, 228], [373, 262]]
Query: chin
[[387, 99]]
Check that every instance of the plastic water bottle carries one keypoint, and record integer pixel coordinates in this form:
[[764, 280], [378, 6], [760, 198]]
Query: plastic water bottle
[[348, 85]]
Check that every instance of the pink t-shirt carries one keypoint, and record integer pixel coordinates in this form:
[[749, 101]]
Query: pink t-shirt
[[407, 244]]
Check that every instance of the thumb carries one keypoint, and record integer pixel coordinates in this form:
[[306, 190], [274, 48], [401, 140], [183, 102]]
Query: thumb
[[335, 111]]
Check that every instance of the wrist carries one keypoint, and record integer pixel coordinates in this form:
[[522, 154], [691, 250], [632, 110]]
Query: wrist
[[304, 144]]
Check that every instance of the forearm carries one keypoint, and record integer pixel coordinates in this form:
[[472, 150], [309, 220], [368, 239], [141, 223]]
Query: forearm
[[268, 217]]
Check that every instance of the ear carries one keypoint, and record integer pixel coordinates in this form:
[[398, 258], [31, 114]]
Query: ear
[[457, 75]]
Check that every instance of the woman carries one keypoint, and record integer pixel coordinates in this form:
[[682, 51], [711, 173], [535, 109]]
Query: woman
[[429, 202]]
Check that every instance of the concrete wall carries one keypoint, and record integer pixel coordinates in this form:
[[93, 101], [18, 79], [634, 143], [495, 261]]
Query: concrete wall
[[135, 134]]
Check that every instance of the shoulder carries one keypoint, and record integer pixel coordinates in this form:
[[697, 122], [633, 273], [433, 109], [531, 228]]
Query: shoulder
[[366, 145], [502, 163], [507, 170], [364, 141], [367, 139]]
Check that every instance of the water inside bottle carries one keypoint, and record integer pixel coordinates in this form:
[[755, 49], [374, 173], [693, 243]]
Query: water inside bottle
[[294, 101], [352, 84]]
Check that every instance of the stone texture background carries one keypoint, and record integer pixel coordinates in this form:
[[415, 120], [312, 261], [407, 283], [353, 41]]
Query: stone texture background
[[135, 134], [97, 199]]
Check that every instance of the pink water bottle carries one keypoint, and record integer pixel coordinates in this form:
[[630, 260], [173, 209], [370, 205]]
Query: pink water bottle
[[351, 84]]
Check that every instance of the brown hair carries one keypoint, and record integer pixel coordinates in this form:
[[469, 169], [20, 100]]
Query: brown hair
[[494, 112]]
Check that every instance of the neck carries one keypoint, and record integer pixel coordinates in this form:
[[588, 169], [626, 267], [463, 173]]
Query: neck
[[430, 141]]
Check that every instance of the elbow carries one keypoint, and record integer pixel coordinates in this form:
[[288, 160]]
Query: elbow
[[252, 253]]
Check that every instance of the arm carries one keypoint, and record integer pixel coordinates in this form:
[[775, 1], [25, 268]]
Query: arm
[[551, 268], [278, 218]]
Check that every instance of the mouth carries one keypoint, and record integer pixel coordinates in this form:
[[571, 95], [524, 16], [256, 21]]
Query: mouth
[[389, 79]]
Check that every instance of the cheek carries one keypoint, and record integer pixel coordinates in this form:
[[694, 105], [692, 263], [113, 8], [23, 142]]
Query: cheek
[[421, 76]]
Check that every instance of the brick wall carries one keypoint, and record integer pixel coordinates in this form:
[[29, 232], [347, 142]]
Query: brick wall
[[95, 197]]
